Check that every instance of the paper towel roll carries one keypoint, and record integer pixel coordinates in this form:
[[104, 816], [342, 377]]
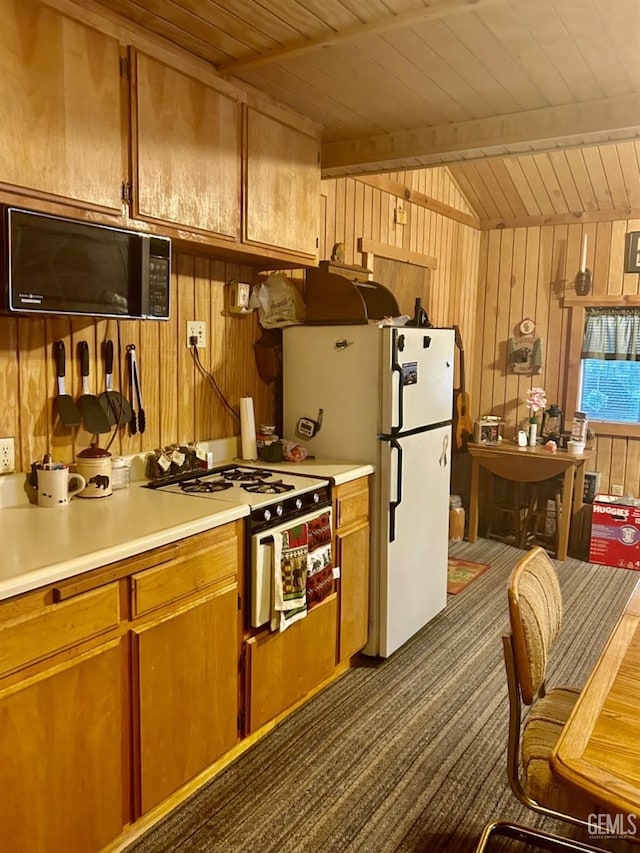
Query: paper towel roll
[[248, 429]]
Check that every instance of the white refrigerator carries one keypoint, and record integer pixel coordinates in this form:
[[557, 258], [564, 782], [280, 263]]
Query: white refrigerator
[[383, 395]]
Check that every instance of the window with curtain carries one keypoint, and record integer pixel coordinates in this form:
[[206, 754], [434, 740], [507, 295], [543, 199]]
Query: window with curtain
[[610, 374]]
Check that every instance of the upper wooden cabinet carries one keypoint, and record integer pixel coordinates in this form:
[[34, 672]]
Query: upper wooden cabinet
[[282, 184], [187, 150], [61, 131]]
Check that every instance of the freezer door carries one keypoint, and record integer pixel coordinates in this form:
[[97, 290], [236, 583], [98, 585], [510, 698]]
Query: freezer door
[[417, 382], [413, 534]]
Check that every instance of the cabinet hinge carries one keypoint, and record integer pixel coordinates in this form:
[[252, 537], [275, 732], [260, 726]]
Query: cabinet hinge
[[241, 721], [126, 193], [125, 68], [239, 603], [317, 242]]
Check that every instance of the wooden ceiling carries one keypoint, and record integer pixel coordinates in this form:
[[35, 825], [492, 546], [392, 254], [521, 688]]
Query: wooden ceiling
[[594, 183], [400, 84]]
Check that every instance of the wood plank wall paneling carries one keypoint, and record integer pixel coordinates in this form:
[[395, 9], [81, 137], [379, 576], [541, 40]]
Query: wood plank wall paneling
[[180, 403], [355, 209], [524, 272]]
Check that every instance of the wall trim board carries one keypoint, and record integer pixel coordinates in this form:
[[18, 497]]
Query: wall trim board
[[395, 253], [572, 300], [420, 199], [577, 218]]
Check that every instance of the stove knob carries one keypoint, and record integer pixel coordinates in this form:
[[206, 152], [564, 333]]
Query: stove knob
[[298, 503], [267, 515], [279, 510], [316, 497]]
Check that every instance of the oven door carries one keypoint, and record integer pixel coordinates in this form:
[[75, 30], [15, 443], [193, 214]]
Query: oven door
[[261, 583]]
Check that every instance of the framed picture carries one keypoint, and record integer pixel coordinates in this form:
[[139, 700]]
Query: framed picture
[[632, 256]]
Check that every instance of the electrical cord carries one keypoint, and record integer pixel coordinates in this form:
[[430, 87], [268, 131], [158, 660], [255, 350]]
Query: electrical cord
[[212, 380]]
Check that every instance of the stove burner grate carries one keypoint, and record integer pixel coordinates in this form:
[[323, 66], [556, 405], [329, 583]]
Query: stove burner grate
[[275, 487], [204, 486], [254, 476]]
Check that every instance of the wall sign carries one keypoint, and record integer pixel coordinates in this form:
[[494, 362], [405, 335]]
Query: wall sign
[[632, 256]]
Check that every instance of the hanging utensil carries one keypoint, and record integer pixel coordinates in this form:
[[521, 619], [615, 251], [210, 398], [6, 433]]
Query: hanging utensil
[[137, 384], [95, 420], [115, 406], [133, 420], [65, 404]]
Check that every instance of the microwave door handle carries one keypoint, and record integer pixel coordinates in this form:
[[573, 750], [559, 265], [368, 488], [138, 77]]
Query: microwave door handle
[[393, 505]]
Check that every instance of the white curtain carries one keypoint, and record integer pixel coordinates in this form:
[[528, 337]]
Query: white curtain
[[612, 334]]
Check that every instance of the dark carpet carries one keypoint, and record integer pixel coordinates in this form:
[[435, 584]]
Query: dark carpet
[[407, 754]]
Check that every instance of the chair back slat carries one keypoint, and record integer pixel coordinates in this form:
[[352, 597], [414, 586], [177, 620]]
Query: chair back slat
[[535, 611]]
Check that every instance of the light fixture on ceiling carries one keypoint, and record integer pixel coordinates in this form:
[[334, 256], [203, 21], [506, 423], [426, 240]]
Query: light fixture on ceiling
[[584, 278]]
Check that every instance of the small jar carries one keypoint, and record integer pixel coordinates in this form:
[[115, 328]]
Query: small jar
[[120, 474], [94, 464]]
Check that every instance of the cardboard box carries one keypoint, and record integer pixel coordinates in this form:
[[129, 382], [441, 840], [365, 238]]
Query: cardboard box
[[615, 532]]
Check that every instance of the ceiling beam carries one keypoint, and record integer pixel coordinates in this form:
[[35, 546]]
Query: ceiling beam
[[478, 138], [436, 9]]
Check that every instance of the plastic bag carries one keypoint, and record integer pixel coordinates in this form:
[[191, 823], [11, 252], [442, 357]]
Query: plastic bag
[[293, 452], [278, 302]]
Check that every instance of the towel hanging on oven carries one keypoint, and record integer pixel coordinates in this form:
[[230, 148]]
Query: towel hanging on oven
[[290, 551], [320, 559]]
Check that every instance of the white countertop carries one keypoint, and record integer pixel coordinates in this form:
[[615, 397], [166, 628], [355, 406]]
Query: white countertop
[[45, 545]]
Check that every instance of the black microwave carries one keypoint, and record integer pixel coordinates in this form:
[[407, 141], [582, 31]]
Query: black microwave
[[62, 266]]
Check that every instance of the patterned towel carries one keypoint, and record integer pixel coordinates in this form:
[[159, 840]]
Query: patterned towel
[[290, 551], [320, 558]]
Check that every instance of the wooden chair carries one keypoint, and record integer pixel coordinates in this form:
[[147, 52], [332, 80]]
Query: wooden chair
[[535, 614]]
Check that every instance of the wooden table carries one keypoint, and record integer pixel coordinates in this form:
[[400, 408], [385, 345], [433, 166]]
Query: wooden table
[[530, 465], [599, 748]]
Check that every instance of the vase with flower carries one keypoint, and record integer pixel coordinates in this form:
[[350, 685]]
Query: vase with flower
[[536, 401]]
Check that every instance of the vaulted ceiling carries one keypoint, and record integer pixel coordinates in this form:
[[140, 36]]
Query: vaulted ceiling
[[399, 84]]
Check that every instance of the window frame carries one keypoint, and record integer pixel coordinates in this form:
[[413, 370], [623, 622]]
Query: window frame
[[572, 377]]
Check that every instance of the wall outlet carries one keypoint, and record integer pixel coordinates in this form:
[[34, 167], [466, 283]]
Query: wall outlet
[[400, 216], [197, 329], [7, 455], [617, 490]]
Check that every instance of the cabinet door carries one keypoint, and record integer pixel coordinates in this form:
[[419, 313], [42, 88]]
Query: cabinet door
[[61, 131], [186, 667], [187, 135], [285, 666], [282, 193], [64, 768], [352, 555]]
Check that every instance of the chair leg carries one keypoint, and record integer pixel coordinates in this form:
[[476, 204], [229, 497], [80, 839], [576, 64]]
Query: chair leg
[[539, 839]]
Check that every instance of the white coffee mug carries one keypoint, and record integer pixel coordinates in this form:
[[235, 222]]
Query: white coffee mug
[[56, 486]]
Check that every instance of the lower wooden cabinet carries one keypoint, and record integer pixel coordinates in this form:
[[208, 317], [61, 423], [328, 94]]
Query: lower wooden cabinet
[[185, 691], [64, 754], [351, 513], [281, 668], [352, 556]]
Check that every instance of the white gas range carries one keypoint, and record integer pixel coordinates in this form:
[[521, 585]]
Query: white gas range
[[277, 502]]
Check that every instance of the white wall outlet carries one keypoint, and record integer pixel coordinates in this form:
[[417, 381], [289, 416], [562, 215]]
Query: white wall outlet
[[197, 329], [7, 455], [400, 215], [617, 490]]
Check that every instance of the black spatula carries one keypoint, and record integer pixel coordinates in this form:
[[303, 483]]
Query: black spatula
[[67, 410], [115, 406], [95, 420]]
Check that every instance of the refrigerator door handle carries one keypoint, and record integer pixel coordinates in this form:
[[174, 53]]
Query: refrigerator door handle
[[394, 445], [397, 344]]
